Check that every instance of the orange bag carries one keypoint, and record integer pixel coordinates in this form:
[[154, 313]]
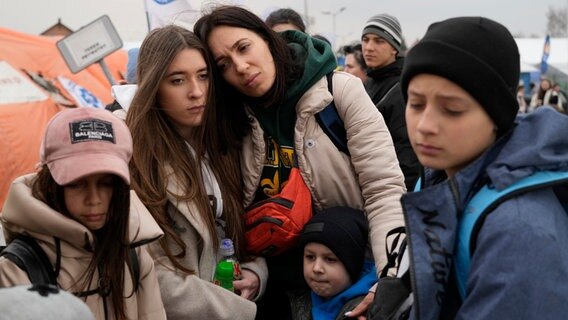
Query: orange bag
[[274, 225]]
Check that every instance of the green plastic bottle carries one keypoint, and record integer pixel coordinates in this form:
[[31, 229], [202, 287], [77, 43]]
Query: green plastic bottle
[[227, 251], [224, 275]]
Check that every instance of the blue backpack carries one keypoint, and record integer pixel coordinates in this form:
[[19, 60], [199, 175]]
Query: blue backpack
[[330, 122], [485, 201]]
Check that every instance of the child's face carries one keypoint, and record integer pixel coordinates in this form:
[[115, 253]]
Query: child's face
[[324, 272], [87, 199], [447, 127]]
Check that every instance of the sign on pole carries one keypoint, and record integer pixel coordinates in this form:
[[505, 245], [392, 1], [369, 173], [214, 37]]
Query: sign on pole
[[89, 45]]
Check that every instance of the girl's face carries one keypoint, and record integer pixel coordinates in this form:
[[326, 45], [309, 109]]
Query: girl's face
[[545, 85], [353, 67], [182, 93], [447, 127], [244, 59], [323, 271], [88, 199]]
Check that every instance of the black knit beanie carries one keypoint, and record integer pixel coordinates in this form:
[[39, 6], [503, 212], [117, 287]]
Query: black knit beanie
[[344, 231], [478, 54]]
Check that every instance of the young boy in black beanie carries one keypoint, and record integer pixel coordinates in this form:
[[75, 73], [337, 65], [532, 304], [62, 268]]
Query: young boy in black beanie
[[508, 260], [334, 243]]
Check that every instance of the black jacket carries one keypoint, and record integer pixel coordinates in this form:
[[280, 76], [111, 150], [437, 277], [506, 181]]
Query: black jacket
[[378, 84]]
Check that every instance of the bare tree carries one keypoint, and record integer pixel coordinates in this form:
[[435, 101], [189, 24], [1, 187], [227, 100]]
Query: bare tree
[[557, 25]]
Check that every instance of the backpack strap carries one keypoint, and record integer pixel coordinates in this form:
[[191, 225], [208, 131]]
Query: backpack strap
[[25, 252], [330, 122], [484, 202]]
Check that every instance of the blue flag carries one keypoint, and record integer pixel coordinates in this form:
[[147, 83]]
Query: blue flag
[[545, 53]]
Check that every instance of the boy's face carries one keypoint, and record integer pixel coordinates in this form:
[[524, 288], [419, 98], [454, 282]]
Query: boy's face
[[447, 127], [324, 272]]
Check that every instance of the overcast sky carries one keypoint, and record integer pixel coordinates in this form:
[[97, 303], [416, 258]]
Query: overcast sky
[[527, 17]]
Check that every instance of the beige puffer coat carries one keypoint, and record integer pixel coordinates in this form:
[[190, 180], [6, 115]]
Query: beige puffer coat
[[370, 179], [24, 214]]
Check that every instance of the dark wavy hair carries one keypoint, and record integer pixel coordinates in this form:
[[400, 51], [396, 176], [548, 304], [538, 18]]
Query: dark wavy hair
[[285, 15], [287, 72]]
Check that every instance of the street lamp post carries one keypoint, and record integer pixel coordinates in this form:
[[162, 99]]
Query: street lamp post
[[333, 15]]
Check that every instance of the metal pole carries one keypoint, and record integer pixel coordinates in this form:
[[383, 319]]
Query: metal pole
[[147, 16], [306, 15], [107, 72]]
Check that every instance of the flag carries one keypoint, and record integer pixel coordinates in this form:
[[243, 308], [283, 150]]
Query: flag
[[164, 12], [545, 54], [82, 96]]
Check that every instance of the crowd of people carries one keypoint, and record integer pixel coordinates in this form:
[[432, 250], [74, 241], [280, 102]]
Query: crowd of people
[[129, 205]]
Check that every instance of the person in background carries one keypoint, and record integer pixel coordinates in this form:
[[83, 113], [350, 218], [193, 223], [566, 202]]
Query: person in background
[[355, 63], [189, 179], [542, 95], [273, 84], [81, 212], [459, 82], [335, 268], [558, 99], [124, 92], [285, 19], [521, 97], [381, 41]]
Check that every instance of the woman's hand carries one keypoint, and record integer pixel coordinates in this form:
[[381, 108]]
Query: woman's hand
[[248, 285]]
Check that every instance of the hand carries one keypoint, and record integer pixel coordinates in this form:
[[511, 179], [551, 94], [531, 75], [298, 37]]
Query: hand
[[361, 309], [248, 285]]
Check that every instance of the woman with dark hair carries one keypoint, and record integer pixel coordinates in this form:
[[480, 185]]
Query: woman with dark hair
[[189, 179], [274, 84], [355, 63], [285, 19], [81, 212]]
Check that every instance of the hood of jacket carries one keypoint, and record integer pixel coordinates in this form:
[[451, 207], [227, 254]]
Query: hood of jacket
[[22, 213], [538, 142]]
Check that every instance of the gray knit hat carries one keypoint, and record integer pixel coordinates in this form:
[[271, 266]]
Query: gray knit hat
[[386, 27]]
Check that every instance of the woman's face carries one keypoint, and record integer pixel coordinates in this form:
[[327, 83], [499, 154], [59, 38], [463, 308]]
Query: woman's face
[[353, 67], [88, 199], [244, 59], [447, 127], [545, 85], [182, 93]]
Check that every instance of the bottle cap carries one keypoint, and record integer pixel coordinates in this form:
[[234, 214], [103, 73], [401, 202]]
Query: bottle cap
[[226, 248]]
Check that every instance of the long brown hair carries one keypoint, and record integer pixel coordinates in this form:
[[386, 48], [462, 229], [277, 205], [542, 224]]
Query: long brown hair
[[157, 145], [109, 255]]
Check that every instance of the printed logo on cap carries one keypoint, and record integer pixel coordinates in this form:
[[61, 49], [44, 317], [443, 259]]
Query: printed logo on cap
[[91, 130]]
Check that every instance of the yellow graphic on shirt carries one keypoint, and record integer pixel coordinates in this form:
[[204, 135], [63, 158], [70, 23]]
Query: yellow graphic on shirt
[[275, 155], [270, 187]]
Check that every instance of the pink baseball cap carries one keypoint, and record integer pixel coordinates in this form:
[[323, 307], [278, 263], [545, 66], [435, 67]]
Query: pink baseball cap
[[83, 141]]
